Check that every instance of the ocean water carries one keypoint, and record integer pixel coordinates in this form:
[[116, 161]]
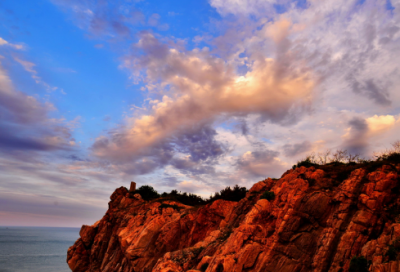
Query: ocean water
[[35, 249]]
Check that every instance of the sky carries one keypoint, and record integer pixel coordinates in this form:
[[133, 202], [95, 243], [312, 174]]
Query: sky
[[186, 95]]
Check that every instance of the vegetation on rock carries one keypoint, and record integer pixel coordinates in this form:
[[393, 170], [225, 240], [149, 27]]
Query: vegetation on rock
[[231, 194], [268, 195], [235, 194], [204, 267], [343, 157], [358, 264], [393, 250], [147, 192]]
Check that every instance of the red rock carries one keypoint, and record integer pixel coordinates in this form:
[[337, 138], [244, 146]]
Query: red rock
[[311, 225]]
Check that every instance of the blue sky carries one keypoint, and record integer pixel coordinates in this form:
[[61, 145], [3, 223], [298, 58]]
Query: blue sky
[[187, 95]]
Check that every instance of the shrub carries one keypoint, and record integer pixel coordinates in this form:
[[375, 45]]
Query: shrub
[[358, 264], [189, 199], [268, 195], [391, 253], [344, 173], [251, 197], [147, 192], [235, 194], [185, 198], [392, 155], [220, 268], [204, 267], [307, 162], [232, 194], [395, 157]]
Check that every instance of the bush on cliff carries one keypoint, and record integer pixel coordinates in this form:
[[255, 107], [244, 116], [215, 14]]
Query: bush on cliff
[[220, 268], [393, 250], [235, 194], [391, 253], [147, 192], [343, 158], [204, 267], [307, 162], [358, 264], [184, 198], [231, 194], [268, 195]]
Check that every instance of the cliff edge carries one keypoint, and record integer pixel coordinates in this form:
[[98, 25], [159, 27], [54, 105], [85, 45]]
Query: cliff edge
[[319, 220]]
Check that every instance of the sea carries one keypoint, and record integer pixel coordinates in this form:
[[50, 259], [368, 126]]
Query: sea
[[35, 249]]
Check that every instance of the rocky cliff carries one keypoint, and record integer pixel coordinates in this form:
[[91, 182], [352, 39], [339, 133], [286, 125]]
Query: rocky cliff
[[319, 220]]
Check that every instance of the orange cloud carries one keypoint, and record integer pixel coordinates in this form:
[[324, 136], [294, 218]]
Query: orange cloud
[[203, 88]]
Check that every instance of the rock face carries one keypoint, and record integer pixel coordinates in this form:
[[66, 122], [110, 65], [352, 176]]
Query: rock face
[[318, 221]]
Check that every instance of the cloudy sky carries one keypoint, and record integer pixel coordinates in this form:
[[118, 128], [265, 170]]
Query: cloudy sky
[[187, 95]]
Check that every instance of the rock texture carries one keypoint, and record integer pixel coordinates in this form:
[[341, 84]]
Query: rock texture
[[317, 222]]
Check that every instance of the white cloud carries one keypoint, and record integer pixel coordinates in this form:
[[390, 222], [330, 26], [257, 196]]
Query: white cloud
[[378, 124], [6, 43], [243, 7], [29, 67]]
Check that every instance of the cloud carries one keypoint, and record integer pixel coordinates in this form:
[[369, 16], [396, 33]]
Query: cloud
[[250, 7], [279, 66], [361, 132], [6, 43], [25, 124], [378, 124], [370, 89], [113, 20], [65, 70], [348, 45], [199, 142], [190, 151], [202, 88], [261, 164], [356, 140], [292, 77], [153, 19], [29, 67], [292, 150], [273, 69], [18, 208], [12, 141]]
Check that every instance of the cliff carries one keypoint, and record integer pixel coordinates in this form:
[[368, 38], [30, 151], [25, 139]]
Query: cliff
[[320, 218]]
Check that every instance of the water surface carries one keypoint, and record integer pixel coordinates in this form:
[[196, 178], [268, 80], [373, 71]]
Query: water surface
[[35, 249]]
